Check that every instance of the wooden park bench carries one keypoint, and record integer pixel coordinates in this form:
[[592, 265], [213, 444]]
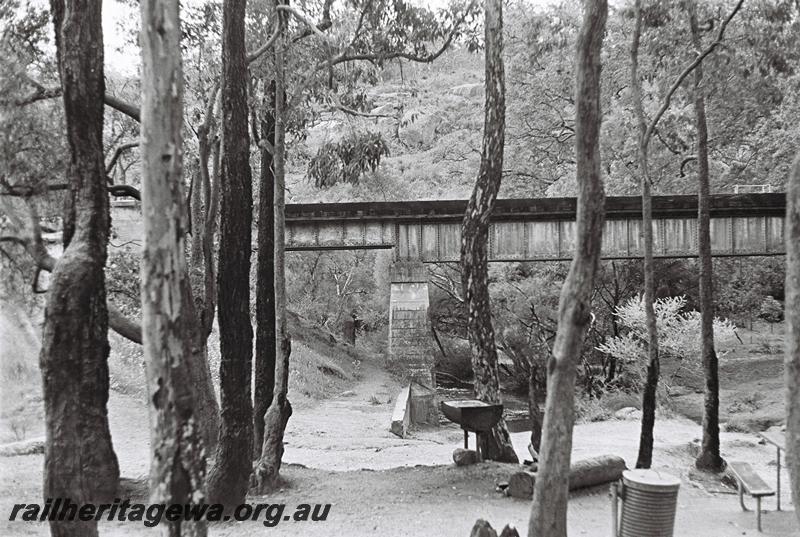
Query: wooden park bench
[[749, 481]]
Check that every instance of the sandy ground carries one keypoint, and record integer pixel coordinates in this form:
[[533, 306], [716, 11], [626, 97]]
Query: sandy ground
[[341, 452]]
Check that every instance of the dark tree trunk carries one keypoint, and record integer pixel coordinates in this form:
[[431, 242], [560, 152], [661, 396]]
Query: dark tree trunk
[[265, 283], [79, 461], [645, 456], [207, 409], [495, 445], [549, 510], [792, 312], [267, 468], [204, 221], [202, 285], [534, 412], [177, 466], [201, 307], [649, 396], [709, 457], [229, 478], [197, 218], [203, 289]]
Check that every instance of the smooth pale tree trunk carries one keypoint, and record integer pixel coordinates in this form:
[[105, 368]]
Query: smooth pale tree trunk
[[177, 464], [709, 457], [495, 445], [265, 279], [645, 456], [268, 467], [549, 510], [792, 312], [230, 475], [79, 460]]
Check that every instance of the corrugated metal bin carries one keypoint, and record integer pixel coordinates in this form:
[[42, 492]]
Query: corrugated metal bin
[[649, 499]]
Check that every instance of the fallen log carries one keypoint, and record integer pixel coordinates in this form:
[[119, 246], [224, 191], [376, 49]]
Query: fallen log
[[596, 471], [23, 447], [582, 474]]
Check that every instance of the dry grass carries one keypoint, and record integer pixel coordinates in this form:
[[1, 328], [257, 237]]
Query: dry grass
[[319, 368], [315, 376], [21, 410]]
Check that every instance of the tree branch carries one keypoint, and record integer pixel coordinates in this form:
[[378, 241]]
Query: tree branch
[[40, 94], [44, 261], [130, 110], [382, 57], [684, 162], [256, 54], [121, 191], [337, 105], [26, 191], [118, 153], [689, 68], [342, 57], [324, 23], [305, 20]]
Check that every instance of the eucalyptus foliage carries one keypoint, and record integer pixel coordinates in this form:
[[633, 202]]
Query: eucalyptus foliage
[[347, 160]]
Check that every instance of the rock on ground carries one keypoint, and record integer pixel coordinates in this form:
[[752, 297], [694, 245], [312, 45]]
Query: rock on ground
[[465, 457], [628, 413]]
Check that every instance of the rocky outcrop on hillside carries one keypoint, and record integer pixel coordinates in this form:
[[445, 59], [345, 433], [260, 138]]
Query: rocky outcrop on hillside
[[468, 90], [419, 127]]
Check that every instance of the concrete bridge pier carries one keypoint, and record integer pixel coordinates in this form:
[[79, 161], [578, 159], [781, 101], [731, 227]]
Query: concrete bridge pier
[[410, 340]]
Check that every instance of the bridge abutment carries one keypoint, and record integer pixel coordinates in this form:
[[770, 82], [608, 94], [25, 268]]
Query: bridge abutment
[[410, 340]]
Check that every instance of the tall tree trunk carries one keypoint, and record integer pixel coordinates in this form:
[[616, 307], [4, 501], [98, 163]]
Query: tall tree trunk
[[196, 217], [792, 311], [645, 456], [709, 457], [229, 478], [495, 445], [204, 219], [644, 459], [79, 461], [534, 412], [202, 282], [265, 283], [280, 410], [549, 511], [206, 407], [177, 466]]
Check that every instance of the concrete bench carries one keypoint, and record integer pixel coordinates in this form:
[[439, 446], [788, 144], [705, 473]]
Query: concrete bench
[[749, 481]]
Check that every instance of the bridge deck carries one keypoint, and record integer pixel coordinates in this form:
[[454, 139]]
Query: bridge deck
[[539, 229]]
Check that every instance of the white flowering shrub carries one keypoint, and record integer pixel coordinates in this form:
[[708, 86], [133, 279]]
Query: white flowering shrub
[[678, 336]]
